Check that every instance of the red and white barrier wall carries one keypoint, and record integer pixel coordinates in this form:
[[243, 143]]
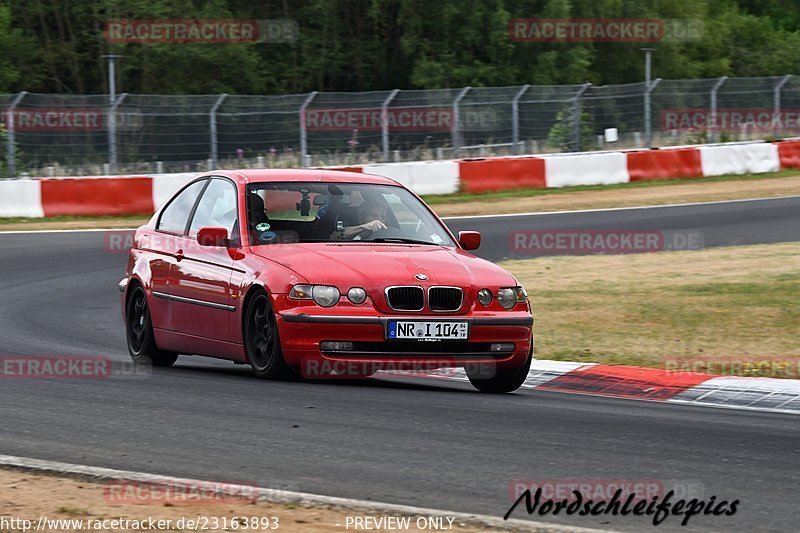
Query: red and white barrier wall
[[123, 195]]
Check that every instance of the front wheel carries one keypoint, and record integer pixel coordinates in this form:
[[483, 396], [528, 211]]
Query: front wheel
[[139, 331], [503, 380], [261, 339]]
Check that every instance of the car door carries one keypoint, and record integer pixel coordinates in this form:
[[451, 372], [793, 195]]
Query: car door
[[200, 279], [161, 247]]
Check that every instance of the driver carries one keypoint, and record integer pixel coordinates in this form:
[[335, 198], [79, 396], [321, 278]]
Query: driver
[[371, 218]]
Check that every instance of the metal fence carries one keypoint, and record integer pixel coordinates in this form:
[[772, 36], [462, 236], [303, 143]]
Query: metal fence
[[49, 134]]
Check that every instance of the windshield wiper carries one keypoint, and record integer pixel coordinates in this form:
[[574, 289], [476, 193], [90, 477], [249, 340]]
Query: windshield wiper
[[400, 239]]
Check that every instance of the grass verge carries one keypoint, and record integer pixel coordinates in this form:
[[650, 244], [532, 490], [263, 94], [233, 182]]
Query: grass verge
[[72, 222], [725, 310]]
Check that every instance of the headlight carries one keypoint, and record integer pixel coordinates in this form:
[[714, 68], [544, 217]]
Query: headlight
[[485, 296], [357, 295], [325, 295], [511, 296], [300, 292], [507, 298]]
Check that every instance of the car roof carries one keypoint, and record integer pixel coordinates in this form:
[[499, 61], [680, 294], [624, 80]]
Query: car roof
[[307, 174]]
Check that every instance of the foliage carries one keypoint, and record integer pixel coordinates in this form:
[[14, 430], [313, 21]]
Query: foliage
[[363, 45], [562, 134]]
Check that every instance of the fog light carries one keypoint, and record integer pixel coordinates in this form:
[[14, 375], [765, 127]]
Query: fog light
[[357, 295], [325, 295], [502, 347], [336, 346], [485, 296]]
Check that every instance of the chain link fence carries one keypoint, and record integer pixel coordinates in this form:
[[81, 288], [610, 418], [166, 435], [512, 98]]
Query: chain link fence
[[52, 135]]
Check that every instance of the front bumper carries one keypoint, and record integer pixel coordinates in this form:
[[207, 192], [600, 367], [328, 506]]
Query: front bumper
[[303, 329]]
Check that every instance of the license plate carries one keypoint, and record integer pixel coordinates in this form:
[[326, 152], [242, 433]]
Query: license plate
[[425, 330]]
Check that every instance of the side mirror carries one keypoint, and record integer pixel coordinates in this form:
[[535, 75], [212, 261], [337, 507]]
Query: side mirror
[[212, 237], [469, 240]]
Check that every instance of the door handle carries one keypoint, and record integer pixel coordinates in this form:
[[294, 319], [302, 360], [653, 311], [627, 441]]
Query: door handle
[[179, 255]]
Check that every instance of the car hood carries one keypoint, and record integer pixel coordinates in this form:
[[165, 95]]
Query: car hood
[[375, 266]]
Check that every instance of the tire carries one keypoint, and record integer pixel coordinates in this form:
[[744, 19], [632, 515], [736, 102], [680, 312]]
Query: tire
[[261, 340], [503, 381], [139, 332]]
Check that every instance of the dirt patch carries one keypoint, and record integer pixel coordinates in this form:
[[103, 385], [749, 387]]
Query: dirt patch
[[28, 496], [628, 197]]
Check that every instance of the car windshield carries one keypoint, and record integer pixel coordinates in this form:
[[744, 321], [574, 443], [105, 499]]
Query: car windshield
[[281, 213]]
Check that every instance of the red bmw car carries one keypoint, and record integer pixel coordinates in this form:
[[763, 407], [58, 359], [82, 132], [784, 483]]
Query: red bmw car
[[320, 273]]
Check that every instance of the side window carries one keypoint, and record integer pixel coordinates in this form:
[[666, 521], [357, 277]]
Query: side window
[[217, 208], [175, 216]]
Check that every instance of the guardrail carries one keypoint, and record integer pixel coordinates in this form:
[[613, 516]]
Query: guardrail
[[60, 134], [125, 195]]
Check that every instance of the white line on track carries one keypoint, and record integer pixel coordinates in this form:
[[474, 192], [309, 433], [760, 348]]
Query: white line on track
[[601, 210], [277, 495]]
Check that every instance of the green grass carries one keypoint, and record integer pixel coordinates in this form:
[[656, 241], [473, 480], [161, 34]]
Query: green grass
[[460, 197], [736, 305]]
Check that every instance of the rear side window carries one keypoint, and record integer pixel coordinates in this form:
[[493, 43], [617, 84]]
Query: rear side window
[[175, 216]]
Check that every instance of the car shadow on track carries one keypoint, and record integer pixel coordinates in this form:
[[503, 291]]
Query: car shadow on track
[[381, 381]]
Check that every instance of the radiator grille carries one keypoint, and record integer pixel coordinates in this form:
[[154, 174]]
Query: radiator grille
[[445, 298], [405, 298]]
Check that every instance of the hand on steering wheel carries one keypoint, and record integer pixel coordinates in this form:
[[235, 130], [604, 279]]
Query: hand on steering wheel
[[373, 226]]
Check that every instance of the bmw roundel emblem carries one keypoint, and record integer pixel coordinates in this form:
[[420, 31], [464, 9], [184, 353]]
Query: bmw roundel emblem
[[421, 277]]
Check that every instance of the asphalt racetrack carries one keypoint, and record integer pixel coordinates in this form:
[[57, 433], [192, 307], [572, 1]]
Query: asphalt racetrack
[[416, 442]]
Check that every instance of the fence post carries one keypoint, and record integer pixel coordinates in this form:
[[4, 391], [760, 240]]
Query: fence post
[[303, 138], [112, 134], [515, 119], [456, 125], [212, 129], [648, 120], [720, 82], [12, 153], [576, 117], [776, 100], [385, 123]]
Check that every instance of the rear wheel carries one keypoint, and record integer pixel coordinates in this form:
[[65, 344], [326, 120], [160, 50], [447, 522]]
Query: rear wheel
[[502, 380], [139, 331], [261, 339]]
